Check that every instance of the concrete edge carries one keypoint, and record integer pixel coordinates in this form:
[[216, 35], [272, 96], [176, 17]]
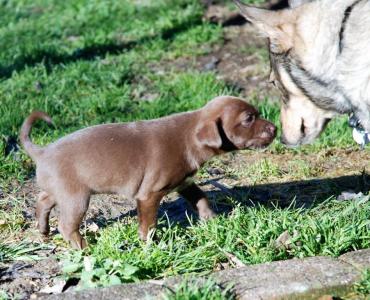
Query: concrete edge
[[307, 278]]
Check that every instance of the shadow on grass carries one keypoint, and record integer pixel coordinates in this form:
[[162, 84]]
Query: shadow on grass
[[303, 193], [51, 57]]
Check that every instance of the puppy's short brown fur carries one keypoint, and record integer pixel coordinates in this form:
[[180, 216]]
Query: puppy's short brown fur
[[142, 160]]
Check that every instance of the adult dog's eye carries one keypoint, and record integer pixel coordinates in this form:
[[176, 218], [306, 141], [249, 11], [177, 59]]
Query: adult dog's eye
[[248, 120], [273, 82], [272, 78]]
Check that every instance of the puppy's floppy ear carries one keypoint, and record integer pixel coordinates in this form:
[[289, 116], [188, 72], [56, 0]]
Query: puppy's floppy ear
[[208, 135]]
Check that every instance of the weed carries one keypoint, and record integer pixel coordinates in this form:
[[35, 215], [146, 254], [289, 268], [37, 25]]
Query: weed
[[19, 251], [192, 290], [362, 288]]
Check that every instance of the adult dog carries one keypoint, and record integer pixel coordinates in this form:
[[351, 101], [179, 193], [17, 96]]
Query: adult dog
[[320, 60]]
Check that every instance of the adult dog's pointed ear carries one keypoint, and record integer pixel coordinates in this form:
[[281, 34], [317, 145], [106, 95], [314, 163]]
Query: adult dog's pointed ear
[[278, 26], [207, 135]]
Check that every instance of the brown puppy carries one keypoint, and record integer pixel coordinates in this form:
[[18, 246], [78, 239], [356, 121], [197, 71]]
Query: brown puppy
[[142, 160]]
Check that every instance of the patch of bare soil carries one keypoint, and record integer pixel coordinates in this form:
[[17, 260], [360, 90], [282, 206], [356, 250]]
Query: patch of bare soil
[[22, 279], [241, 61], [306, 179], [240, 58]]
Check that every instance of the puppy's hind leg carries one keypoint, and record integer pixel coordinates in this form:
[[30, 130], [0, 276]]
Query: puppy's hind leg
[[72, 210], [44, 205]]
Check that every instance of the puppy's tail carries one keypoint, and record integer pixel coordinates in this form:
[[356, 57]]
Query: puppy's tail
[[32, 149]]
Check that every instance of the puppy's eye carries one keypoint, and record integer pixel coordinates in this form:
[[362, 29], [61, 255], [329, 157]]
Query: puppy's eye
[[248, 120]]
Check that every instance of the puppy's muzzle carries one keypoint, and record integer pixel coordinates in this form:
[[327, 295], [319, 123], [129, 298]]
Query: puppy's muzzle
[[270, 129], [265, 137], [268, 132]]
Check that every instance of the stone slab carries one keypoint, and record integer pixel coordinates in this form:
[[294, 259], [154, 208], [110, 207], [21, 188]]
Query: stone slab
[[130, 291], [293, 279], [359, 259], [307, 278]]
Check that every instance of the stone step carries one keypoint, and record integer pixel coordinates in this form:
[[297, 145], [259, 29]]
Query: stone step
[[307, 278]]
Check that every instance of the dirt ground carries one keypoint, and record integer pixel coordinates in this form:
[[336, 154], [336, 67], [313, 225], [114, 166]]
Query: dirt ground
[[325, 173]]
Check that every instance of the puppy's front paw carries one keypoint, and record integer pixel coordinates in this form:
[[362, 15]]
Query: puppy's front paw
[[147, 235], [206, 214]]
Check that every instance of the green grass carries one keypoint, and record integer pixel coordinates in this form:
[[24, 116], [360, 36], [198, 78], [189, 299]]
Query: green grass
[[4, 295], [12, 223], [249, 233], [192, 290], [61, 32], [362, 288], [19, 251]]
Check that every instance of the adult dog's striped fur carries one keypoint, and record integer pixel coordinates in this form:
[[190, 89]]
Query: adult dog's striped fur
[[320, 60]]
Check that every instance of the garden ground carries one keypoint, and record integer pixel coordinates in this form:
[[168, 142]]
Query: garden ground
[[90, 62]]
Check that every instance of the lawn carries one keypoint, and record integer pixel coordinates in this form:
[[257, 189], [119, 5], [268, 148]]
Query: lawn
[[92, 62]]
